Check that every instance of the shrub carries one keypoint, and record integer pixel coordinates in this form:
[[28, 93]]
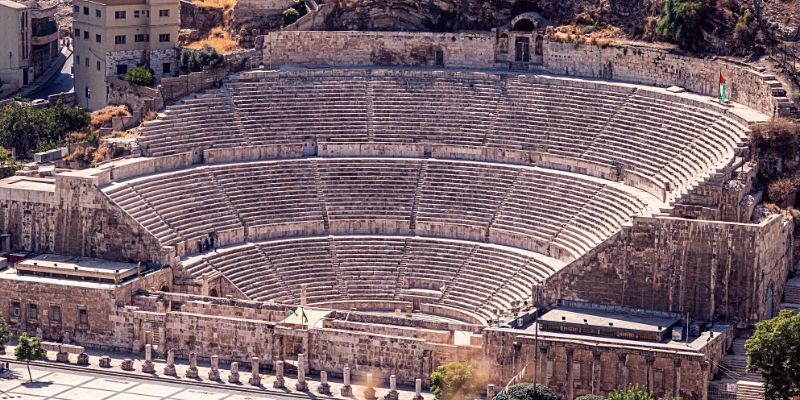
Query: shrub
[[8, 166], [744, 34], [454, 381], [774, 348], [290, 16], [782, 189], [141, 76], [26, 128], [633, 392], [680, 22], [525, 391], [590, 397], [587, 29], [193, 60]]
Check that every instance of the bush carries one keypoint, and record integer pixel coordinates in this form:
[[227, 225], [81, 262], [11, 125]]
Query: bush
[[525, 391], [782, 189], [744, 34], [141, 76], [587, 29], [590, 397], [454, 381], [633, 392], [8, 166], [681, 21], [293, 13], [774, 348], [26, 128], [195, 60]]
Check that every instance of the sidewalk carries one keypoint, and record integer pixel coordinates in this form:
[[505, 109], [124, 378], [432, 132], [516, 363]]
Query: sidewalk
[[267, 379], [55, 68]]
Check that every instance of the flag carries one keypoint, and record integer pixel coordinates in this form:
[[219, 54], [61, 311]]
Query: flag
[[303, 316], [288, 311], [722, 84]]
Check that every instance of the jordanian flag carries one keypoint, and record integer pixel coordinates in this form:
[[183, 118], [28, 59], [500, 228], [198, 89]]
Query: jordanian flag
[[722, 84]]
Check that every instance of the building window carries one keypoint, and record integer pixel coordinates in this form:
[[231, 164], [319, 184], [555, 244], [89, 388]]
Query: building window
[[166, 68], [97, 13], [16, 310], [163, 13], [122, 69], [33, 312], [78, 60], [77, 33], [135, 13], [88, 92], [98, 65], [119, 14], [439, 58], [164, 37], [83, 317], [85, 10], [55, 314], [98, 38], [141, 37], [85, 35], [76, 9], [86, 61], [119, 39]]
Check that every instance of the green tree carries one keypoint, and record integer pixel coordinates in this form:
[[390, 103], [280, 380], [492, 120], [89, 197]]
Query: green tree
[[454, 381], [8, 166], [5, 335], [29, 349], [633, 392], [744, 34], [194, 60], [526, 391], [25, 128], [681, 21], [290, 16], [590, 397], [141, 76], [774, 349]]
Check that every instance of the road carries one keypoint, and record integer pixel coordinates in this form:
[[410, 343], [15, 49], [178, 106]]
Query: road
[[62, 82]]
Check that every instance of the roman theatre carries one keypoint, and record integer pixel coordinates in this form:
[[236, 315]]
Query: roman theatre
[[419, 198]]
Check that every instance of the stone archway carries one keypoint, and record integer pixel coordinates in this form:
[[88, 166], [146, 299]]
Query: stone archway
[[213, 292], [527, 22]]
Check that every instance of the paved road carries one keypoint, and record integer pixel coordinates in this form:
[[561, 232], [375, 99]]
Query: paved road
[[62, 82], [55, 384]]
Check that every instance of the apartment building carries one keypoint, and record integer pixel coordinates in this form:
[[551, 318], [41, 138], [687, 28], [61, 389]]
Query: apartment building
[[29, 40], [112, 36]]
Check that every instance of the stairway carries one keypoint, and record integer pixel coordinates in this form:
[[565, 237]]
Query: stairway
[[423, 173]]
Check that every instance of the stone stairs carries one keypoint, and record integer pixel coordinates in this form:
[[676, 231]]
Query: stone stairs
[[791, 294], [733, 371], [423, 174], [321, 195]]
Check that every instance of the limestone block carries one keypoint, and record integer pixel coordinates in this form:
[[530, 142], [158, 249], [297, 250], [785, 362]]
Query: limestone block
[[62, 357], [324, 387], [347, 390], [191, 372], [127, 364], [105, 362], [169, 370], [213, 374], [83, 359], [233, 376], [279, 382], [255, 371], [301, 384]]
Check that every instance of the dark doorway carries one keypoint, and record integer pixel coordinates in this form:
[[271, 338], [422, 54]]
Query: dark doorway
[[523, 50]]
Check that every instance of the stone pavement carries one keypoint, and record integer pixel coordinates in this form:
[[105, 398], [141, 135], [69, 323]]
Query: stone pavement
[[63, 377]]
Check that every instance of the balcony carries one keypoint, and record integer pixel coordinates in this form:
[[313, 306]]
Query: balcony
[[46, 12], [41, 40]]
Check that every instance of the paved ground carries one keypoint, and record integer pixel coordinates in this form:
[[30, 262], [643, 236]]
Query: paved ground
[[53, 384], [63, 82]]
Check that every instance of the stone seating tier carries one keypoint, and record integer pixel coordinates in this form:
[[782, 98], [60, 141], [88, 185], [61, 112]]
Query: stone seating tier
[[477, 278], [661, 138]]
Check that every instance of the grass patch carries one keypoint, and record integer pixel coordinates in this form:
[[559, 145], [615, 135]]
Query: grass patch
[[219, 39], [224, 4], [102, 117]]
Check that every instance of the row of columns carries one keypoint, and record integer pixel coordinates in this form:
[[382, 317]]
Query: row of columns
[[255, 375]]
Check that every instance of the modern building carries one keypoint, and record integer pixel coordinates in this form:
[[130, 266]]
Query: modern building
[[112, 36], [29, 42]]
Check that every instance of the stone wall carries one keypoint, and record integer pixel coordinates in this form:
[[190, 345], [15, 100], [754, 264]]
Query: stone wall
[[711, 270], [659, 66], [464, 49]]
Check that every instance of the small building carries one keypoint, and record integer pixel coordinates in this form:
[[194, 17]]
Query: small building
[[29, 40], [112, 36]]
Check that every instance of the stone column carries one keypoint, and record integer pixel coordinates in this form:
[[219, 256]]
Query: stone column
[[213, 374], [570, 378], [255, 371], [191, 372], [170, 368], [676, 378], [650, 359], [369, 392], [490, 393], [541, 369], [83, 359], [622, 379], [62, 356], [233, 377], [127, 364], [301, 384], [347, 390], [279, 383], [417, 389], [393, 394], [324, 387], [148, 366], [303, 294], [596, 371]]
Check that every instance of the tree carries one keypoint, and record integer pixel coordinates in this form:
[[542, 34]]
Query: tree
[[590, 397], [29, 349], [454, 381], [680, 21], [744, 34], [141, 76], [774, 349], [526, 391], [8, 166], [290, 16], [633, 392], [25, 128], [5, 335], [194, 60]]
